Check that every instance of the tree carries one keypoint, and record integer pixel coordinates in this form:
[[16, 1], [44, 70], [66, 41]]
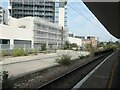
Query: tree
[[88, 47], [66, 45], [74, 45]]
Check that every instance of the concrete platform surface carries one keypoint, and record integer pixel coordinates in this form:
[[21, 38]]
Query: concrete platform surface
[[20, 65]]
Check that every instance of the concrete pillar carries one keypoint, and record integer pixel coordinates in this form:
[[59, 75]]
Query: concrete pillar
[[11, 43], [47, 44], [57, 46], [32, 44]]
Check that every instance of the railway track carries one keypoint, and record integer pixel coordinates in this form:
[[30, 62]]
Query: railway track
[[70, 79]]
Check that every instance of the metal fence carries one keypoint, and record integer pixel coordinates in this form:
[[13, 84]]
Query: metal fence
[[27, 46], [23, 46], [24, 49]]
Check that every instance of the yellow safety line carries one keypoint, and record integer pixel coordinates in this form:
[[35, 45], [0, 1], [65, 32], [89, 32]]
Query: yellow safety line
[[111, 76]]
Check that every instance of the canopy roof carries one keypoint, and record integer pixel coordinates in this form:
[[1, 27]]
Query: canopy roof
[[108, 13]]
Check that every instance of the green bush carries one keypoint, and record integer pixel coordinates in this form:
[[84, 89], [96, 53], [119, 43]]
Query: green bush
[[63, 59], [18, 52], [5, 53], [25, 53]]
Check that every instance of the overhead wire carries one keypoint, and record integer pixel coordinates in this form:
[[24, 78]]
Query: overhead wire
[[85, 17]]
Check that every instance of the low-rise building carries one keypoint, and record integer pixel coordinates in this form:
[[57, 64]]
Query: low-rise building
[[71, 35], [11, 36], [90, 40], [33, 31], [80, 37], [75, 40]]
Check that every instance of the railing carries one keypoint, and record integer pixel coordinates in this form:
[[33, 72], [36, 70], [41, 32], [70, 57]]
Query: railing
[[37, 47], [8, 46]]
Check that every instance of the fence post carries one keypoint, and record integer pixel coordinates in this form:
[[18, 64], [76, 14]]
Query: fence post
[[0, 48], [0, 53], [24, 47]]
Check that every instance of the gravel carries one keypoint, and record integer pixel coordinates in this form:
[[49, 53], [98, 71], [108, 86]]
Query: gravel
[[49, 74]]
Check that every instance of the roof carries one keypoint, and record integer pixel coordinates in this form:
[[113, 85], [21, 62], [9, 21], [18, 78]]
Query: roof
[[108, 13]]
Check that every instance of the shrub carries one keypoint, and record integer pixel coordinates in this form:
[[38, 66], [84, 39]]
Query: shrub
[[17, 52], [35, 52], [43, 47], [5, 53], [7, 83], [87, 55], [82, 57], [66, 46], [25, 52], [63, 59]]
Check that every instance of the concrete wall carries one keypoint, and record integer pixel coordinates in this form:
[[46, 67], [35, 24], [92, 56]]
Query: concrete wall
[[8, 32]]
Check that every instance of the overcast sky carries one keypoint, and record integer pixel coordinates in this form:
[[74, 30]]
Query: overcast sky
[[82, 22]]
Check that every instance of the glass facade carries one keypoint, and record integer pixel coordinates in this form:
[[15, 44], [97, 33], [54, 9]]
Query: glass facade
[[37, 8], [47, 9]]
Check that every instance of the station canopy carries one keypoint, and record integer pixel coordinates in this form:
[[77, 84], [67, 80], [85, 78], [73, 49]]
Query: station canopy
[[108, 13]]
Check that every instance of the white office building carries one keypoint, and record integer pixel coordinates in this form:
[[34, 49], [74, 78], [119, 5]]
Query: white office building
[[33, 31], [51, 10]]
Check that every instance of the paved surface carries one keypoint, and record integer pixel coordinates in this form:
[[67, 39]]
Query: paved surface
[[116, 76], [100, 78], [20, 65]]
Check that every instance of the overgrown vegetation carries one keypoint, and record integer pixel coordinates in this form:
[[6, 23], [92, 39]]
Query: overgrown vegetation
[[66, 45], [88, 47], [63, 59], [7, 83], [70, 46], [5, 53], [34, 52], [18, 52], [82, 56]]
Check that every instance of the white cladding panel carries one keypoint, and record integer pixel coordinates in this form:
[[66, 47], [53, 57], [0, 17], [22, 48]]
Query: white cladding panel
[[61, 16], [8, 32]]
